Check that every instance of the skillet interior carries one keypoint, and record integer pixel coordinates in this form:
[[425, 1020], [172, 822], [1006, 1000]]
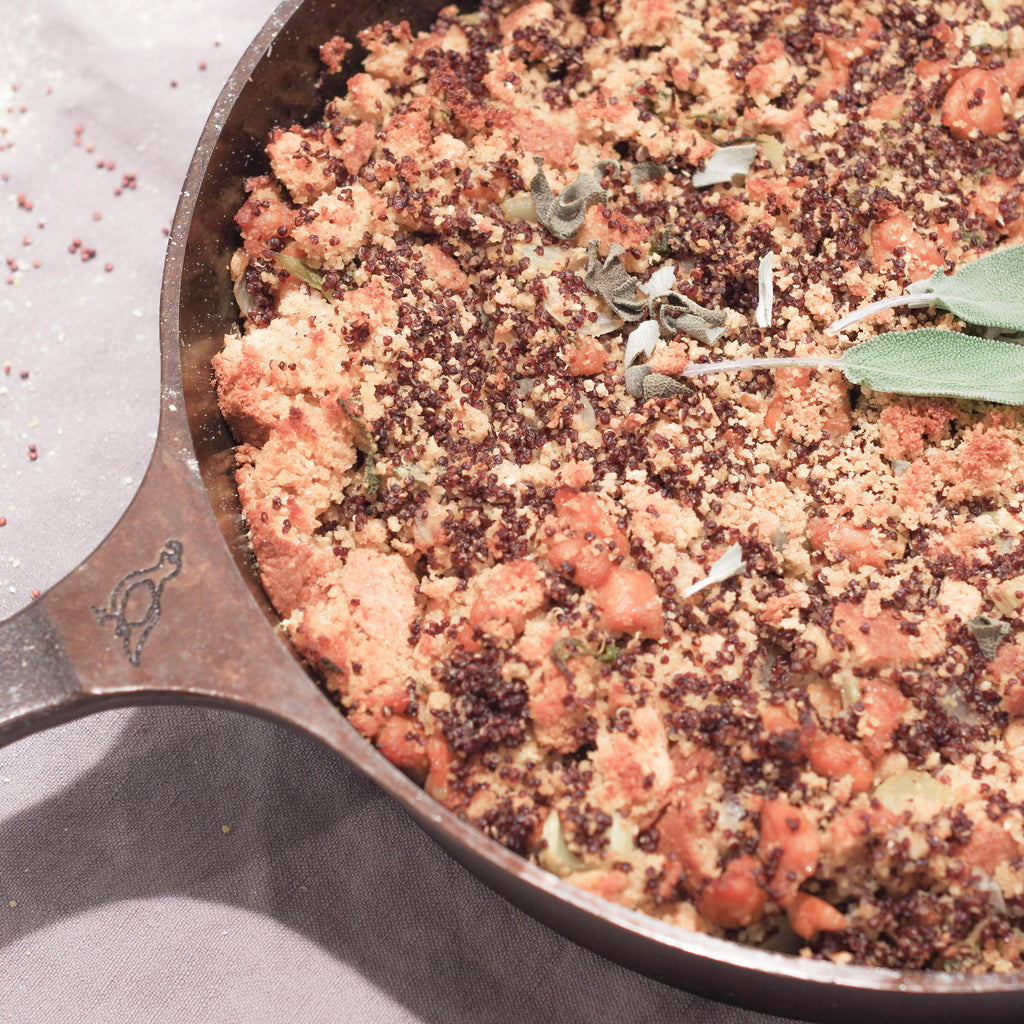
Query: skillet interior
[[273, 84]]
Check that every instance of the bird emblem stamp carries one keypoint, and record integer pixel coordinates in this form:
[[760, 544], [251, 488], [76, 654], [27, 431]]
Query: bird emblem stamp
[[134, 605]]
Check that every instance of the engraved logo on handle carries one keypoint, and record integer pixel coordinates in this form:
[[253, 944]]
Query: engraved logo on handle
[[134, 605]]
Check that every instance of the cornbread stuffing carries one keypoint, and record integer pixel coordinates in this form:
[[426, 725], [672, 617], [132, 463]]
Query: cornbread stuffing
[[742, 651]]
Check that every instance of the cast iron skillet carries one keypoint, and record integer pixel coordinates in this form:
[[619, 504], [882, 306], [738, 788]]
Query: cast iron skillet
[[169, 608]]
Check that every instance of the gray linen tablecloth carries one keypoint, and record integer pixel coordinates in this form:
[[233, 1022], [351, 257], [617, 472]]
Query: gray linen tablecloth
[[181, 864]]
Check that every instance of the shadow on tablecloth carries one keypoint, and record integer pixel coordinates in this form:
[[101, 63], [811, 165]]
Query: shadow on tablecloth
[[211, 805]]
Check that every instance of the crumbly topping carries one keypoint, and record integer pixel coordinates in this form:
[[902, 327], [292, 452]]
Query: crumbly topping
[[485, 544]]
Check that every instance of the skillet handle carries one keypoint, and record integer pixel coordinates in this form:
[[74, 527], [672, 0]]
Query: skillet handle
[[159, 613], [38, 685]]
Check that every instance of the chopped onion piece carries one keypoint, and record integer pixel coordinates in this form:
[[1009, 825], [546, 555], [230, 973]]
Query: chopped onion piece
[[554, 854], [765, 290], [987, 884], [774, 152], [547, 261], [725, 164], [661, 282], [242, 297], [729, 564], [558, 307], [586, 418], [641, 341], [913, 791], [520, 207], [604, 324]]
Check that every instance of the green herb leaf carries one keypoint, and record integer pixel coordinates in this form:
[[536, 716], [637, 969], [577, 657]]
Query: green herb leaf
[[563, 215], [371, 478], [610, 280], [926, 361], [362, 437], [566, 647], [300, 269], [988, 634], [938, 363], [988, 292]]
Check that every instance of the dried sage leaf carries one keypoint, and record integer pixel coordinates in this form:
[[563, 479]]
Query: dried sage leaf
[[660, 385], [679, 314], [371, 478], [635, 377], [988, 633], [647, 171], [563, 215], [609, 279]]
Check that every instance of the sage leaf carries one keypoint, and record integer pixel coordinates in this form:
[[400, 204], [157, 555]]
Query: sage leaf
[[937, 363], [635, 377], [660, 385], [563, 215], [988, 633], [602, 167], [926, 362], [610, 280], [300, 269], [725, 164], [647, 171], [987, 292], [679, 314], [371, 478]]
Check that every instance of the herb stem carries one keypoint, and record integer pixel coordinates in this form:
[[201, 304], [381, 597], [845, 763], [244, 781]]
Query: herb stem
[[765, 363], [911, 300]]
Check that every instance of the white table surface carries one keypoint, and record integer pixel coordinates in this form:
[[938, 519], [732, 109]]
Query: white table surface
[[182, 864]]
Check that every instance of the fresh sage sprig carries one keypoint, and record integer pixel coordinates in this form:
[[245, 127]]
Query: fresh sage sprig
[[988, 292], [927, 361]]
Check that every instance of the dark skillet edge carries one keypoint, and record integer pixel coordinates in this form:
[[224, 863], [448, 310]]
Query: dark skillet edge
[[196, 309]]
